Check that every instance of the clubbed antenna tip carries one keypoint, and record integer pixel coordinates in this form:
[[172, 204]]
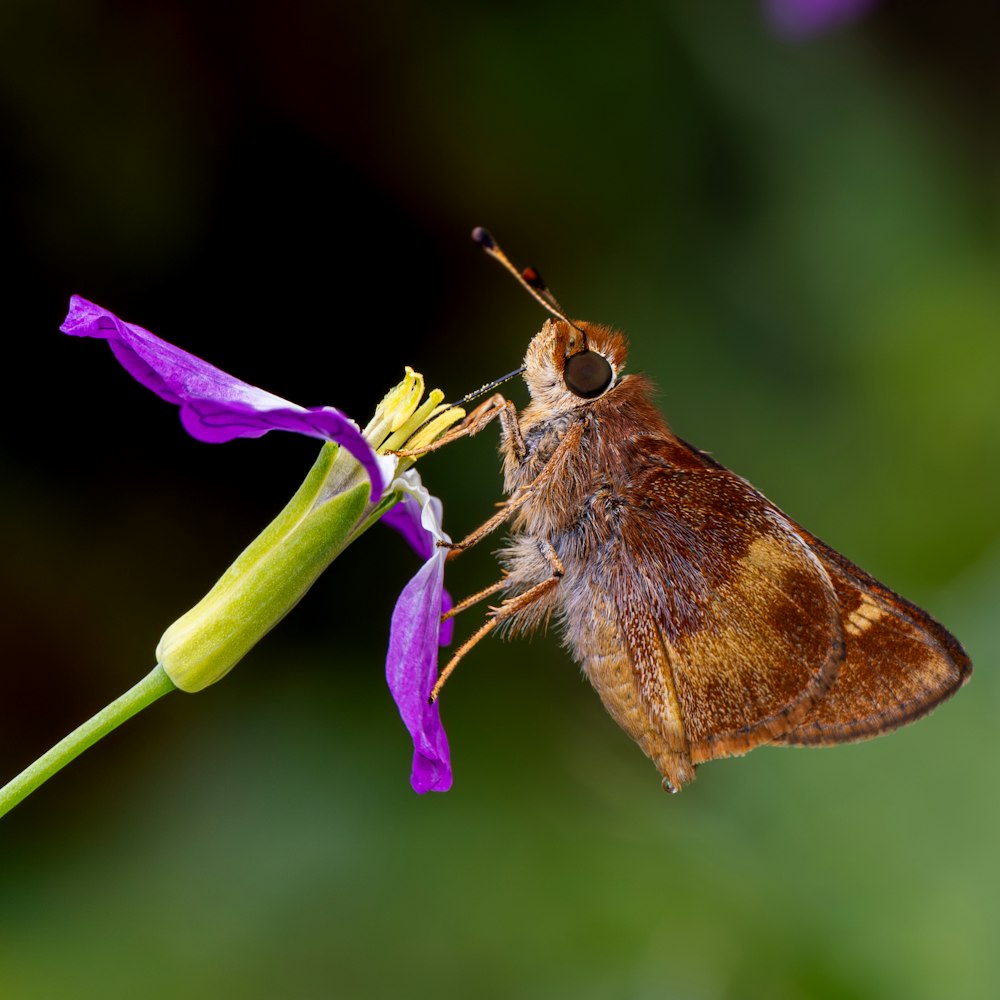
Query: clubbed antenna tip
[[529, 278], [483, 238]]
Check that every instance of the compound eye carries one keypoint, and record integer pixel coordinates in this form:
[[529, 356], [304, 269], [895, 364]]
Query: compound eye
[[587, 374]]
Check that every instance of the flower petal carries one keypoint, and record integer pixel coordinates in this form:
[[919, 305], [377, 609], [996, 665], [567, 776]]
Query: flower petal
[[417, 517], [411, 670], [215, 406], [417, 631], [447, 629], [405, 517]]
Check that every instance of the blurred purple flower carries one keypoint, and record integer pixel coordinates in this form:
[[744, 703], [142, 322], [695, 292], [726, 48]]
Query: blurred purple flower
[[217, 407], [800, 19]]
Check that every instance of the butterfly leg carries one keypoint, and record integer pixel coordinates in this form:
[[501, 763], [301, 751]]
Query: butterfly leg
[[475, 598], [488, 526], [552, 468], [485, 413], [510, 607]]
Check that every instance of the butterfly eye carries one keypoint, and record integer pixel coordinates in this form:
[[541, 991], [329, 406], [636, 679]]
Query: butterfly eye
[[587, 374]]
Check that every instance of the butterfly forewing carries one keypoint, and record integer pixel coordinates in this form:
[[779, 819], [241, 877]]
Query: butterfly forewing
[[722, 609]]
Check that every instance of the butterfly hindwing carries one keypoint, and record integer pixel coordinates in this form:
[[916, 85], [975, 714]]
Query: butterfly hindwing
[[900, 662]]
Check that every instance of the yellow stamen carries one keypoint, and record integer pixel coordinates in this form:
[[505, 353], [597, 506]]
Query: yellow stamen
[[421, 414], [396, 408], [442, 418]]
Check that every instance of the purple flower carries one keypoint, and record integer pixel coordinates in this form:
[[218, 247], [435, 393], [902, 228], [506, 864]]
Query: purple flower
[[801, 19], [276, 569]]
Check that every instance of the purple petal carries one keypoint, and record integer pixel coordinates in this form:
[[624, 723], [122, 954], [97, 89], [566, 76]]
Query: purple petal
[[411, 670], [406, 518], [417, 517], [447, 630], [800, 19], [215, 407]]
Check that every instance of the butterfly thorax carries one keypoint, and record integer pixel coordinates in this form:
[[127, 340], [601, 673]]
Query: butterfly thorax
[[605, 442], [577, 460]]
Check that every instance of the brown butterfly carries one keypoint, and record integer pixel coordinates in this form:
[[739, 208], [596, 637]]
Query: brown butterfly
[[707, 620]]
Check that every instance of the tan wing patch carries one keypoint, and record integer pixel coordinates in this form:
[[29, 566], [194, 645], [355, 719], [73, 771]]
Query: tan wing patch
[[771, 650], [863, 616]]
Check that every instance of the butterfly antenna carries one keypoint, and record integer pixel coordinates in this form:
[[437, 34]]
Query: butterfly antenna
[[489, 387], [529, 279]]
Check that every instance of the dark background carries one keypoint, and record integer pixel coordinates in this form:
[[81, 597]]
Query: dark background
[[800, 239]]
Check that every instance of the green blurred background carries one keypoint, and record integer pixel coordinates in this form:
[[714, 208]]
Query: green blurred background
[[800, 239]]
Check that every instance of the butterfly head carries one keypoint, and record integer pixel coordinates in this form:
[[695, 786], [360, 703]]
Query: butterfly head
[[568, 365]]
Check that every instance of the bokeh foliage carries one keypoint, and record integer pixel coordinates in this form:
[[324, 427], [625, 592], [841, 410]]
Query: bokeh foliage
[[801, 242]]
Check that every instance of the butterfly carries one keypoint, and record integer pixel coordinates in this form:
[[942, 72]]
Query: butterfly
[[707, 620]]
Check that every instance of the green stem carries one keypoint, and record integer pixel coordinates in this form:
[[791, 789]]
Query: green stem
[[154, 685]]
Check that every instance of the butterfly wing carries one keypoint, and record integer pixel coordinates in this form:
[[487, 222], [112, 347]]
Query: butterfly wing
[[740, 628], [728, 625], [900, 662]]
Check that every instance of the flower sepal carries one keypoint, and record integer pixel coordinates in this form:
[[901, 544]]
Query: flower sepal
[[270, 576]]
